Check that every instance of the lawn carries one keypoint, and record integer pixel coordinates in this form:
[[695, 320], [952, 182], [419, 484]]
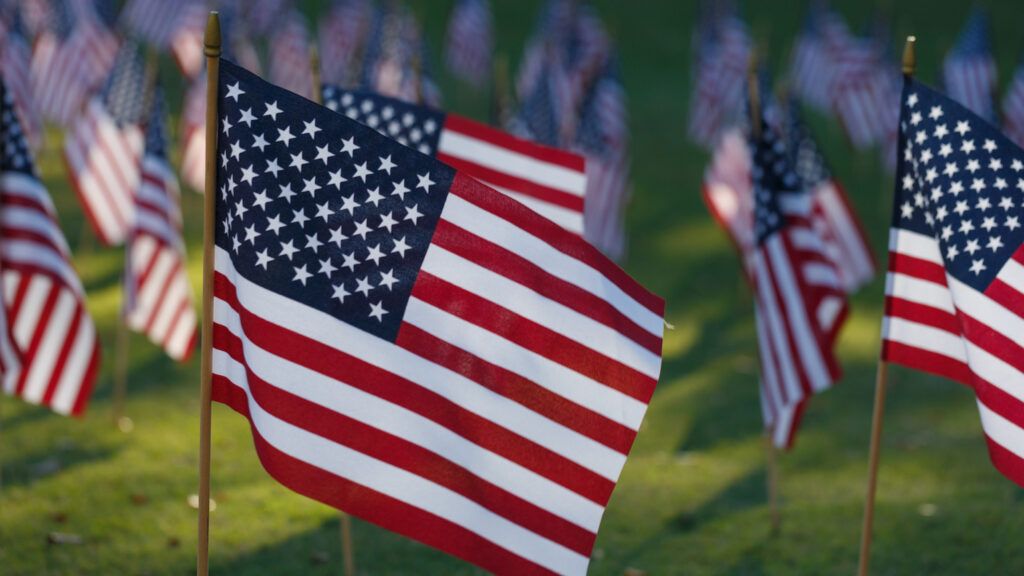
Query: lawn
[[692, 497]]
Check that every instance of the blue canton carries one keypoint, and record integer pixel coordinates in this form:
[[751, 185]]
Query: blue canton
[[15, 156], [125, 94], [321, 209], [961, 181], [772, 176], [415, 126]]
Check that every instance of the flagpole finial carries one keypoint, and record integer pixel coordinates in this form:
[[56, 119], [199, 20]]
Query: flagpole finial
[[211, 39], [909, 57]]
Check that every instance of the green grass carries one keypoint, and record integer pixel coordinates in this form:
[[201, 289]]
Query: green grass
[[692, 497]]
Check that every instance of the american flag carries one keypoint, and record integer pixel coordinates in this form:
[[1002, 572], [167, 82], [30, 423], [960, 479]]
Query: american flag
[[864, 91], [104, 149], [70, 59], [470, 41], [43, 298], [289, 59], [549, 181], [152, 20], [811, 69], [955, 291], [396, 60], [969, 71], [15, 60], [1013, 107], [187, 38], [799, 303], [832, 214], [438, 360], [343, 34], [158, 299], [722, 64]]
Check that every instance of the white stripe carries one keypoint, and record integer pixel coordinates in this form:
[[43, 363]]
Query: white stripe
[[398, 483], [925, 337], [41, 370], [820, 274], [912, 289], [150, 291], [1002, 431], [30, 220], [779, 349], [490, 227], [25, 186], [856, 255], [71, 379], [181, 334], [342, 398], [1013, 275], [168, 306], [567, 218], [544, 311], [452, 386], [502, 159], [915, 245], [31, 309]]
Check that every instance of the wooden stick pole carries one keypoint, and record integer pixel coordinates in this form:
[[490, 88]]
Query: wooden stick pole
[[314, 68], [881, 382], [120, 370], [212, 51]]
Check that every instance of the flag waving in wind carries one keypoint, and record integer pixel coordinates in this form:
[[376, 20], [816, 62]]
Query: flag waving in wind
[[434, 358]]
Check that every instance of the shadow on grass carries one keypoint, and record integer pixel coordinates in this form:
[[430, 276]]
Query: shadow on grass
[[47, 463]]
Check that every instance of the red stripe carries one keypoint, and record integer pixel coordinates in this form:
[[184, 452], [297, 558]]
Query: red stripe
[[340, 366], [513, 183], [513, 386], [160, 301], [926, 361], [397, 451], [782, 306], [12, 234], [922, 314], [522, 271], [533, 336], [373, 506], [19, 294], [554, 235], [917, 268], [996, 344], [1006, 295], [11, 199], [548, 154], [1008, 463], [76, 185], [88, 379]]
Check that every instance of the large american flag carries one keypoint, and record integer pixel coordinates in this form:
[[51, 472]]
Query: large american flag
[[551, 182], [1013, 107], [470, 41], [104, 149], [42, 296], [799, 303], [289, 57], [70, 59], [955, 291], [158, 299], [432, 357], [969, 71]]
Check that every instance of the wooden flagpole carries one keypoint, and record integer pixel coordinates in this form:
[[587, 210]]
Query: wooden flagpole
[[347, 549], [771, 466], [499, 91], [212, 45], [881, 382]]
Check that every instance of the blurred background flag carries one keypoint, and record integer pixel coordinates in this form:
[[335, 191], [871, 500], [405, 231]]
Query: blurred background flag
[[104, 148], [289, 57], [187, 38], [469, 47], [549, 181], [955, 294], [396, 59], [480, 396], [343, 34], [43, 297], [158, 296], [811, 63], [723, 57], [153, 21], [969, 71], [1013, 106], [15, 62]]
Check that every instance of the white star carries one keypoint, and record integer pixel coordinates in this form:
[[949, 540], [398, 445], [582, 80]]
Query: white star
[[362, 229], [978, 266], [322, 154], [961, 207], [926, 156], [231, 184], [301, 275], [349, 203], [912, 100], [386, 164], [234, 91], [299, 217], [388, 279], [413, 214], [988, 223], [386, 221], [962, 128], [286, 192], [967, 146], [994, 243], [400, 190], [263, 258], [947, 231], [309, 185], [908, 182], [966, 226], [310, 128], [941, 213], [337, 236], [972, 247], [374, 254], [374, 196], [956, 188], [945, 150], [1017, 165], [273, 167], [323, 211], [919, 200], [377, 311], [235, 243], [272, 111], [989, 146], [313, 242], [274, 224], [285, 135], [1006, 203], [326, 268], [258, 141], [363, 286], [951, 169], [941, 131], [973, 166], [262, 199], [424, 182], [288, 249], [400, 247], [1012, 222], [298, 161], [224, 159], [336, 179], [349, 147], [227, 125], [983, 203], [1000, 184], [936, 113], [952, 252], [995, 164], [350, 262], [361, 172], [248, 174], [236, 150], [340, 293], [915, 118], [247, 117], [240, 209]]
